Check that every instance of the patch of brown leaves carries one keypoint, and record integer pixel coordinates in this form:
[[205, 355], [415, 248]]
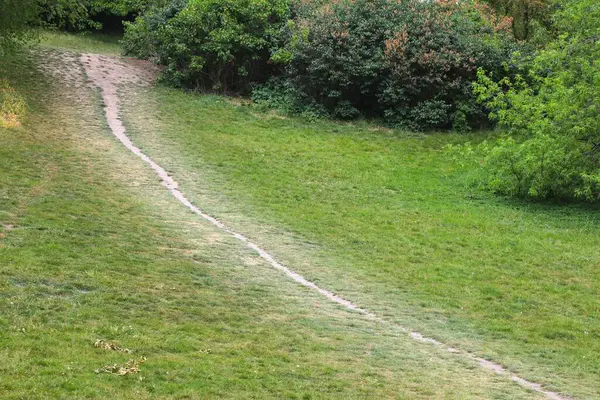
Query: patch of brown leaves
[[130, 367], [108, 345]]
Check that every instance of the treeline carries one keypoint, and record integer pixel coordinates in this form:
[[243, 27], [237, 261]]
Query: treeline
[[18, 17], [81, 15], [532, 67], [409, 63]]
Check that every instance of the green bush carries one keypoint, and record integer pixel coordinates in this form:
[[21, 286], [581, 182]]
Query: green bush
[[409, 62], [529, 19], [81, 15], [72, 15], [16, 19], [218, 45], [552, 115], [144, 37]]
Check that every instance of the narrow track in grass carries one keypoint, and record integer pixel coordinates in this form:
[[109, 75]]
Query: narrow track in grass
[[108, 73]]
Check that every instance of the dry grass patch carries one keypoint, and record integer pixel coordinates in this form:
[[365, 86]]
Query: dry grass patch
[[12, 106]]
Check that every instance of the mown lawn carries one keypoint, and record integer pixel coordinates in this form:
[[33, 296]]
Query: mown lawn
[[92, 247], [387, 218]]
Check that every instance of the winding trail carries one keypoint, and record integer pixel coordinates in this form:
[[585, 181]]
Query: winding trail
[[108, 74]]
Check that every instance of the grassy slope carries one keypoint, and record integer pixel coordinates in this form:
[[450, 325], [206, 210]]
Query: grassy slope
[[84, 42], [386, 220], [92, 247]]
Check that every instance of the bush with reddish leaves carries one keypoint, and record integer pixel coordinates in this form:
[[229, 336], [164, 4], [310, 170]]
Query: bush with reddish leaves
[[409, 62]]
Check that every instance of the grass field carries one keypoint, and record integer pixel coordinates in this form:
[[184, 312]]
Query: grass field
[[92, 247], [83, 42], [386, 218]]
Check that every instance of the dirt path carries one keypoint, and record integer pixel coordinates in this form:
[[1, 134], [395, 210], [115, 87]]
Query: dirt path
[[109, 74]]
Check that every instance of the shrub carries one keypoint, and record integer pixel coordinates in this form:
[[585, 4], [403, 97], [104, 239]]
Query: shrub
[[16, 17], [143, 37], [409, 62], [81, 15], [72, 15], [528, 18], [552, 115], [219, 45]]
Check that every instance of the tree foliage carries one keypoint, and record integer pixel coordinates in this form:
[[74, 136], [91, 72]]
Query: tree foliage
[[527, 16], [552, 115], [16, 17], [409, 62], [218, 45], [81, 15]]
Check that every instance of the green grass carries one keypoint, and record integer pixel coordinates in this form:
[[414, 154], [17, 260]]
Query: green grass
[[386, 219], [90, 42], [92, 247]]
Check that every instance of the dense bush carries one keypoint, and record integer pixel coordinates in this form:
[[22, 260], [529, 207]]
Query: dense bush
[[529, 19], [16, 17], [81, 15], [219, 45], [409, 62], [553, 117], [67, 14], [144, 37]]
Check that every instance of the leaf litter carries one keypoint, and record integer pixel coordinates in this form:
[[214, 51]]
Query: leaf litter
[[129, 368], [108, 345]]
